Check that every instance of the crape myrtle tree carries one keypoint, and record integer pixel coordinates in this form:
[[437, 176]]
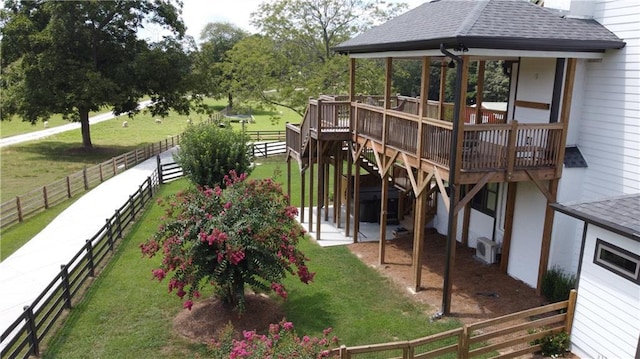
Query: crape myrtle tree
[[294, 43], [244, 234], [73, 57]]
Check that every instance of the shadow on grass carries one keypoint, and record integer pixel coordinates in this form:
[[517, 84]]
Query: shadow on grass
[[72, 152], [308, 313]]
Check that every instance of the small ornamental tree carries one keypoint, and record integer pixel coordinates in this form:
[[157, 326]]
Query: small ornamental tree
[[244, 234]]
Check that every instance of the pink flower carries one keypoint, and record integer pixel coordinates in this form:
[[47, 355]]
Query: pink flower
[[327, 331], [227, 205], [279, 289], [188, 304], [287, 326], [159, 273]]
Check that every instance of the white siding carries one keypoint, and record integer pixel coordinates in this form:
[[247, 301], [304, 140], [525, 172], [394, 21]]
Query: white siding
[[528, 221], [535, 84], [608, 307], [608, 120]]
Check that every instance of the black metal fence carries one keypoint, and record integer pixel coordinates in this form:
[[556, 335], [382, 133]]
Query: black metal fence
[[23, 337]]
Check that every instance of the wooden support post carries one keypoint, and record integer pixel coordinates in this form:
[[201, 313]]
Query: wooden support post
[[452, 253], [443, 87], [508, 225], [289, 180], [479, 91], [321, 184], [566, 110], [19, 209], [303, 193], [356, 202], [69, 186], [326, 175], [465, 224], [546, 234], [349, 191], [311, 175], [383, 218], [418, 238], [571, 309]]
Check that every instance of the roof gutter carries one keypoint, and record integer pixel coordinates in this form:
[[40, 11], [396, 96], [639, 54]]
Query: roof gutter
[[451, 240]]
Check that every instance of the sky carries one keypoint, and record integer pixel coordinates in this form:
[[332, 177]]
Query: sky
[[197, 13]]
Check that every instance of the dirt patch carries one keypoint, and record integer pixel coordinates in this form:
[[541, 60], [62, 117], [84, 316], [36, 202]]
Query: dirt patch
[[480, 291], [207, 317]]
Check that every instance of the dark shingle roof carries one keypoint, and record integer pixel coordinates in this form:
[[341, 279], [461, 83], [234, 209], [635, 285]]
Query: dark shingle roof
[[490, 24], [620, 214], [573, 158]]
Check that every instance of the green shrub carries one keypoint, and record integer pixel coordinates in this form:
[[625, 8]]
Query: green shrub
[[556, 285], [554, 345], [207, 153]]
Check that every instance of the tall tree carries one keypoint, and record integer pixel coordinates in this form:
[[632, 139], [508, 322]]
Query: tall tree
[[73, 57], [216, 39], [301, 33]]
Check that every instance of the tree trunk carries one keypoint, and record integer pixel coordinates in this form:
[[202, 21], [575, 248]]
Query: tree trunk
[[230, 98], [84, 128]]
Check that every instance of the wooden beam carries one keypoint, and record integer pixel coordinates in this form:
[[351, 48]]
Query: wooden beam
[[321, 183], [540, 187], [325, 202], [443, 190], [357, 153], [480, 90], [466, 220], [302, 195], [352, 79], [356, 202], [311, 149], [546, 234], [443, 87], [390, 162], [512, 190], [532, 104], [289, 180], [565, 112], [467, 198]]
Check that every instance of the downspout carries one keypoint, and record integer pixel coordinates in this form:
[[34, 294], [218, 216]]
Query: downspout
[[452, 168]]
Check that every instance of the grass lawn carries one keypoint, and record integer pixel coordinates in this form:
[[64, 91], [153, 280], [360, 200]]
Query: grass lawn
[[60, 155], [128, 315]]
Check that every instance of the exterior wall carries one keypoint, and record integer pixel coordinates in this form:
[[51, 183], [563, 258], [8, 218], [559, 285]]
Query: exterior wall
[[605, 323], [567, 233], [526, 238], [608, 122], [535, 84]]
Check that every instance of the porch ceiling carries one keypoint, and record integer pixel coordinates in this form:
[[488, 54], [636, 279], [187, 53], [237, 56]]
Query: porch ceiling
[[484, 24]]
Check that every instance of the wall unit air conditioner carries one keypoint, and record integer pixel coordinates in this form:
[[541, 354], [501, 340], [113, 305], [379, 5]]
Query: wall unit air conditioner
[[486, 250]]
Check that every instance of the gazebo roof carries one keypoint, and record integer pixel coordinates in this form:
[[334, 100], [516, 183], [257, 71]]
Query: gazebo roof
[[487, 24]]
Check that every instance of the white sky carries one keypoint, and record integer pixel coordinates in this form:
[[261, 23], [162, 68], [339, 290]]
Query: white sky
[[197, 13]]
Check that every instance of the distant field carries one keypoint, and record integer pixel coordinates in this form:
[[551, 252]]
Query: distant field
[[27, 166]]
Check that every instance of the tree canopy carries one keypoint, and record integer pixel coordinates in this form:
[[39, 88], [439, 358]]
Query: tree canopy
[[294, 47], [73, 57]]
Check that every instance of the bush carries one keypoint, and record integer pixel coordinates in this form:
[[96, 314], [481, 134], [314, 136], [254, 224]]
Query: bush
[[556, 285], [280, 342], [207, 153], [554, 345], [245, 234]]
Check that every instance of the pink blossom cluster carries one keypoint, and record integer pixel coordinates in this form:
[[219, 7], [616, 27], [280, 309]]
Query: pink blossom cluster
[[280, 342]]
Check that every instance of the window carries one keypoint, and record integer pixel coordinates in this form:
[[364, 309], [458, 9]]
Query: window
[[617, 260], [486, 200]]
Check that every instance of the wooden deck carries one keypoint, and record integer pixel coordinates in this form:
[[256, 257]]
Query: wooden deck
[[511, 151]]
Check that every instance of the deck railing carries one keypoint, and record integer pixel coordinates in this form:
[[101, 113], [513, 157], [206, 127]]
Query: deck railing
[[484, 147]]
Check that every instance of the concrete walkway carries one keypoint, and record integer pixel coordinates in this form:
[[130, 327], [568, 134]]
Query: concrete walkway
[[8, 141], [26, 273]]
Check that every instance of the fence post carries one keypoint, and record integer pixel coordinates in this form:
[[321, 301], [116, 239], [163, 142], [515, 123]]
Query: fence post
[[571, 308], [113, 164], [126, 161], [109, 235], [119, 223], [266, 154], [159, 170], [66, 292], [463, 339], [68, 187], [84, 178], [33, 336], [19, 208], [92, 268], [101, 175], [132, 200], [46, 200], [136, 152]]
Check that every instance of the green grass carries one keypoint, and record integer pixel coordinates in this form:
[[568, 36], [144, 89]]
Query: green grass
[[14, 237], [126, 314], [16, 126]]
